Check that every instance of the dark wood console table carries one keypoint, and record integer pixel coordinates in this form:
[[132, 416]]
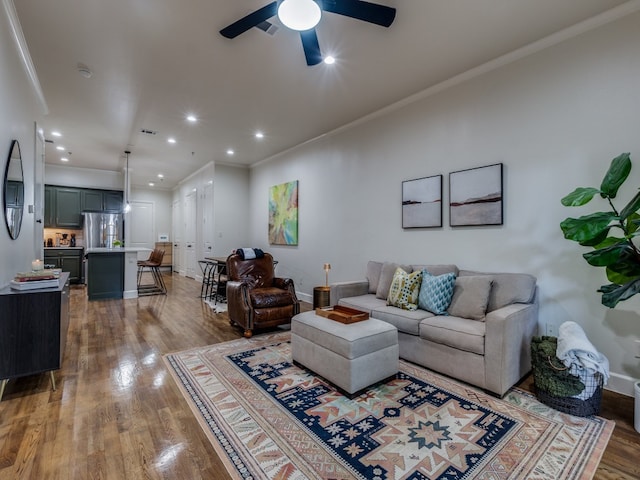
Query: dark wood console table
[[33, 331]]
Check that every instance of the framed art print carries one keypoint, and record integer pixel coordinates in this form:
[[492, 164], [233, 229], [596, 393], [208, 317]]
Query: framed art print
[[422, 202], [283, 214], [475, 196]]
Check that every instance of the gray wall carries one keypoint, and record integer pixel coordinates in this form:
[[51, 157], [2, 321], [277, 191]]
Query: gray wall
[[555, 119], [231, 202], [19, 110]]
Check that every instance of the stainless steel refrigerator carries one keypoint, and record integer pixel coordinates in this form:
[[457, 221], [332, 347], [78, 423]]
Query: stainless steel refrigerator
[[101, 229]]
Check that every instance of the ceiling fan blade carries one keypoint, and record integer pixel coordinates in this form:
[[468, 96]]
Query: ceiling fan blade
[[250, 21], [311, 46], [361, 10]]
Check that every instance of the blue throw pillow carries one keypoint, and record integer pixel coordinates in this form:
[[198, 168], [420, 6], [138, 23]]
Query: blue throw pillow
[[436, 292]]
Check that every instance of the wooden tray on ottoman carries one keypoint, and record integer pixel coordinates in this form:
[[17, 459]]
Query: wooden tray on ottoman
[[342, 314]]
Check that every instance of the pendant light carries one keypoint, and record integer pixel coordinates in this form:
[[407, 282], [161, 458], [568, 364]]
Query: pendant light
[[127, 206]]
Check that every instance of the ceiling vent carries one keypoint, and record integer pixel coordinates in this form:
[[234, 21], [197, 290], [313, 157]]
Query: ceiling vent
[[148, 132]]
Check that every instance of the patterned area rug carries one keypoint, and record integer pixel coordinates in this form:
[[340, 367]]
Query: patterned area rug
[[269, 419]]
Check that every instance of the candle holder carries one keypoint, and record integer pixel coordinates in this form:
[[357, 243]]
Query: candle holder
[[37, 265]]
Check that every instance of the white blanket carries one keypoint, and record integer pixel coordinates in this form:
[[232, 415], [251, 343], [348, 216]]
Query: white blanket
[[249, 253], [581, 357]]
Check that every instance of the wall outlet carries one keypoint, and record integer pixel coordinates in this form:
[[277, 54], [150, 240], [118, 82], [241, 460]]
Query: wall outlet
[[551, 329]]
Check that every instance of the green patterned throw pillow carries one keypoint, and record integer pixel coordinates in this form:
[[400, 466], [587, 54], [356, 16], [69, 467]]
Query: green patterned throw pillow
[[404, 289], [436, 292]]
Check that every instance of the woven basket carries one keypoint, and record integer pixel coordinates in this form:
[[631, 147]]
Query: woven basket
[[572, 405], [566, 404]]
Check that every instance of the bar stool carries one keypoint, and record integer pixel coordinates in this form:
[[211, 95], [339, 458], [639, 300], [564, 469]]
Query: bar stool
[[153, 263], [208, 277]]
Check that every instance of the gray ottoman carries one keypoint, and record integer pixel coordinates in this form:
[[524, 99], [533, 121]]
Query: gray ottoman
[[351, 357]]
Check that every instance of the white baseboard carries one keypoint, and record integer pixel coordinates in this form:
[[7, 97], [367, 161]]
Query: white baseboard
[[130, 294], [305, 297], [621, 384]]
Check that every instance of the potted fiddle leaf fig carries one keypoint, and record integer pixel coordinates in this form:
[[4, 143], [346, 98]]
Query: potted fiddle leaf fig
[[610, 233]]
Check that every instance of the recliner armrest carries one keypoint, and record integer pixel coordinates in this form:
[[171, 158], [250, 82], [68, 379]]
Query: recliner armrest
[[283, 283], [287, 284], [341, 290], [237, 299]]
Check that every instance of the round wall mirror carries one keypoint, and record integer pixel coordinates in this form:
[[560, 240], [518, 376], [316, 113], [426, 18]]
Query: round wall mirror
[[14, 191]]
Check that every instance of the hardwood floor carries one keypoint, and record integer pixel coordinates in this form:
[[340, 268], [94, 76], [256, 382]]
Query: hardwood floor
[[117, 414]]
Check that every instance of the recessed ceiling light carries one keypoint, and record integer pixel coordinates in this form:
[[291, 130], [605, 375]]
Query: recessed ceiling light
[[64, 159], [160, 175], [151, 184], [329, 60], [56, 133], [60, 147], [171, 140], [192, 118], [230, 152], [259, 135]]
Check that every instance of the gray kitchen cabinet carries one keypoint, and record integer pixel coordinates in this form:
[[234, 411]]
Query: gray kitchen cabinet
[[112, 201], [105, 274], [92, 200], [68, 205], [63, 206], [67, 259], [49, 207]]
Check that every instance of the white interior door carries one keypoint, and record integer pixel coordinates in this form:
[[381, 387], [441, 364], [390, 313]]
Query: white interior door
[[178, 255], [191, 201], [141, 226], [207, 221]]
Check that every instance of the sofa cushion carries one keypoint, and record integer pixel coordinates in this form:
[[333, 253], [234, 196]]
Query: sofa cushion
[[386, 277], [406, 321], [470, 297], [373, 275], [404, 289], [456, 332], [366, 303], [437, 269], [436, 292], [508, 288]]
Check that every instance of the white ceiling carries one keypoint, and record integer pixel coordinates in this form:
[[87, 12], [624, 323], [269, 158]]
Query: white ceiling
[[154, 61]]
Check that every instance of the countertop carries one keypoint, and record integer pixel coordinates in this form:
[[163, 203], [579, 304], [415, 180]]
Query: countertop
[[117, 250], [61, 247]]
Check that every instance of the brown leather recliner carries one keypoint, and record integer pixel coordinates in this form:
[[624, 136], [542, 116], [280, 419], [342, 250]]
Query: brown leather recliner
[[256, 298]]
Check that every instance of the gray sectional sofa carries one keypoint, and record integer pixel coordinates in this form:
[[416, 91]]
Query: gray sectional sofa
[[485, 338]]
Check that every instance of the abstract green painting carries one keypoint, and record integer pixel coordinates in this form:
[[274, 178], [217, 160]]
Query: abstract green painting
[[283, 214]]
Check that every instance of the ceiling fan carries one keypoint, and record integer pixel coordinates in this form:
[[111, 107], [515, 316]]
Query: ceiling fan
[[308, 12]]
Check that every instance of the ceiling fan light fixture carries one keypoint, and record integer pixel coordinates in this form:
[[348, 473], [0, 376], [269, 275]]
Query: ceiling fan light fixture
[[299, 15]]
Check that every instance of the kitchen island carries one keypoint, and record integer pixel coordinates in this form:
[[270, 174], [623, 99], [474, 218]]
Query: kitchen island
[[112, 272]]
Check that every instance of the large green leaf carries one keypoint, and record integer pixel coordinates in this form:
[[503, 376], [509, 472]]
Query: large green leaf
[[631, 208], [580, 196], [627, 264], [588, 230], [615, 176], [612, 294], [608, 256], [619, 278], [610, 241]]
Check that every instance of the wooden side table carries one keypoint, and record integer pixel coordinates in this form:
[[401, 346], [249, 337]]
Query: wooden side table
[[321, 297]]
